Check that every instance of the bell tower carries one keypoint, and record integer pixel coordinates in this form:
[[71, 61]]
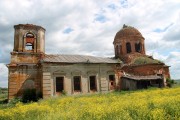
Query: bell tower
[[29, 38], [25, 67]]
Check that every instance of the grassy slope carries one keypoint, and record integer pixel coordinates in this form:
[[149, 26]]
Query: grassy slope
[[146, 104]]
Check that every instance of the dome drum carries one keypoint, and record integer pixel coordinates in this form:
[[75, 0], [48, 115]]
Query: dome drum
[[128, 40]]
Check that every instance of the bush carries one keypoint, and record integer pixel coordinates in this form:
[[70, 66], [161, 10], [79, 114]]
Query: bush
[[14, 101], [64, 92], [29, 95], [170, 82]]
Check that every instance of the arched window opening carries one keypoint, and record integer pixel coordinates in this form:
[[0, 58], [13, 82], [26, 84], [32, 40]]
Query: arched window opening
[[29, 41], [120, 49], [117, 50], [138, 47], [128, 47], [29, 35]]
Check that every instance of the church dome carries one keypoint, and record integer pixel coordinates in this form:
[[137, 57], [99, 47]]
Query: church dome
[[128, 32], [128, 40]]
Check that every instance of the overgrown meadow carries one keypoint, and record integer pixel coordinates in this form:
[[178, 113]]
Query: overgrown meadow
[[153, 104]]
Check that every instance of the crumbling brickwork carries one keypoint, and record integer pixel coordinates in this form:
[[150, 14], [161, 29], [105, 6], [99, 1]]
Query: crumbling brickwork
[[31, 68], [25, 68]]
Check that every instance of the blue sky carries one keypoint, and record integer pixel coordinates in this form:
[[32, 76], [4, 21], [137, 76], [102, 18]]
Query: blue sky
[[67, 30], [88, 27]]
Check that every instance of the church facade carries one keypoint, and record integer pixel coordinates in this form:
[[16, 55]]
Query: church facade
[[53, 75]]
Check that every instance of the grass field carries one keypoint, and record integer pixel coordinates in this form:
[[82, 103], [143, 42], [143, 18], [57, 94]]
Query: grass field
[[153, 104], [3, 94]]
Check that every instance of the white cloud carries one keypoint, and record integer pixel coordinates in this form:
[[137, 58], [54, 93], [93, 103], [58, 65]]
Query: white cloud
[[172, 34], [174, 61], [3, 74]]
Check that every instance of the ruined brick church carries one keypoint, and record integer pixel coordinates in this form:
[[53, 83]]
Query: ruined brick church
[[129, 69]]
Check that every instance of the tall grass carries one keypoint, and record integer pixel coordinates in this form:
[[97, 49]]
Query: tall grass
[[3, 96], [154, 104], [3, 93]]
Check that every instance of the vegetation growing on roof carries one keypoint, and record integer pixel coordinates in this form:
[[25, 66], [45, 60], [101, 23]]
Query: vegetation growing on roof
[[145, 60]]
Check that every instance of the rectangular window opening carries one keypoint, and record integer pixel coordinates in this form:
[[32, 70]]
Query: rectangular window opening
[[93, 84], [111, 77], [77, 84], [112, 82], [59, 84]]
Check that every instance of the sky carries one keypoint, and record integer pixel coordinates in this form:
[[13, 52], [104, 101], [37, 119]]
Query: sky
[[88, 27]]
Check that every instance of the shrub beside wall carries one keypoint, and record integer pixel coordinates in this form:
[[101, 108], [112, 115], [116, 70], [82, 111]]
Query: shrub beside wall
[[31, 95]]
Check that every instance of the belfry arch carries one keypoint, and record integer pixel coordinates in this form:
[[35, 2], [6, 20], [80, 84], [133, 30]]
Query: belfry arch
[[118, 50], [128, 47], [30, 42], [138, 47]]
